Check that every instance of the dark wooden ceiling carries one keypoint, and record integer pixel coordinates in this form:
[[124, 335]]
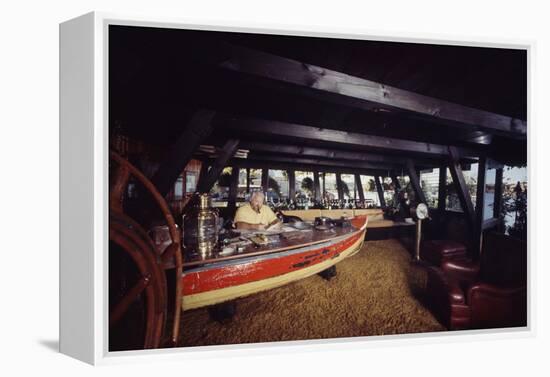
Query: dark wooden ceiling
[[160, 77]]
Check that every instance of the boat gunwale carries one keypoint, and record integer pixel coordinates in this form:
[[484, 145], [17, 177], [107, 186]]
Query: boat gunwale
[[243, 257]]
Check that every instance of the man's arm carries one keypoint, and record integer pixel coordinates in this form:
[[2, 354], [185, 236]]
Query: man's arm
[[275, 224], [273, 220], [245, 225]]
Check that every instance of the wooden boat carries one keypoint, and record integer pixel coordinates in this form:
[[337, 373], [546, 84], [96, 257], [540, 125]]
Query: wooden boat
[[223, 278]]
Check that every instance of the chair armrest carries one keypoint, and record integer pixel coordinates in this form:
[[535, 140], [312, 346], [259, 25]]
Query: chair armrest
[[464, 271], [446, 299]]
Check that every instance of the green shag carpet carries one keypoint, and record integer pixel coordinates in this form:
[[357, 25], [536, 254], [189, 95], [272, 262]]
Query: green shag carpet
[[372, 294]]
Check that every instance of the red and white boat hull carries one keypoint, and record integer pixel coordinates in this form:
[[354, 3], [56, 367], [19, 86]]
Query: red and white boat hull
[[227, 280]]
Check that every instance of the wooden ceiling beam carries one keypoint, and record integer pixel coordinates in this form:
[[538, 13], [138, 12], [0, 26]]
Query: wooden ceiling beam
[[267, 164], [316, 152], [336, 87], [325, 162], [291, 130]]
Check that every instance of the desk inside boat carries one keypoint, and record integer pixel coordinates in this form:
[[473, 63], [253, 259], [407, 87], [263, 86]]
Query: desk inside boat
[[278, 241]]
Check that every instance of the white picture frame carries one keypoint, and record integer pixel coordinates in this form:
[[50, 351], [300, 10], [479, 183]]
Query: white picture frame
[[83, 179]]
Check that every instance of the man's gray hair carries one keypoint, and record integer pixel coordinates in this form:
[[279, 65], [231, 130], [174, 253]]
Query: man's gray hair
[[257, 194]]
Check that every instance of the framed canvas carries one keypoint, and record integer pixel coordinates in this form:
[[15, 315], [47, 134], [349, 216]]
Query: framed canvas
[[243, 189]]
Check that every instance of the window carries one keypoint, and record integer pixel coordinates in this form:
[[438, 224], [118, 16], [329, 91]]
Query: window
[[429, 182], [514, 201], [220, 190], [369, 190], [241, 187], [389, 190], [489, 194], [255, 180], [470, 178], [305, 184], [178, 188], [277, 186], [331, 190], [190, 182], [348, 186]]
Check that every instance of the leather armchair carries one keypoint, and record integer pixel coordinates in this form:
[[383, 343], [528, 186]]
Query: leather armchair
[[492, 293], [438, 251]]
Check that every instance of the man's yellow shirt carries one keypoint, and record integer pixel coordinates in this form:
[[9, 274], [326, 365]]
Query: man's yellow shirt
[[247, 215]]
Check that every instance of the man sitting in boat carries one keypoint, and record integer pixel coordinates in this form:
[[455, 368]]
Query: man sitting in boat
[[255, 215]]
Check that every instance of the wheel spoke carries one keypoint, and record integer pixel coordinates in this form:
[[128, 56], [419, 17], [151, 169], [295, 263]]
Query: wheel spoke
[[128, 299]]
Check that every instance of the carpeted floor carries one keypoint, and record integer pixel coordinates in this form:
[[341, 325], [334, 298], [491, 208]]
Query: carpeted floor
[[371, 295]]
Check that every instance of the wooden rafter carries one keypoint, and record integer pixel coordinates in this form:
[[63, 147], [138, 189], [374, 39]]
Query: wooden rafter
[[331, 153], [380, 190], [461, 188], [359, 186], [415, 182], [261, 164], [321, 161], [225, 155], [336, 87], [180, 153], [343, 138]]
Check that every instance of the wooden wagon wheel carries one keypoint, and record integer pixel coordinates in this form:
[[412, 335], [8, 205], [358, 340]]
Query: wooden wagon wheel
[[133, 240]]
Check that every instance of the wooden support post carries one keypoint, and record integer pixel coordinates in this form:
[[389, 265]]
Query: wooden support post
[[324, 185], [202, 174], [265, 180], [291, 184], [480, 204], [339, 187], [180, 153], [227, 152], [396, 184], [498, 193], [248, 180], [380, 190], [415, 182], [442, 189], [317, 186], [461, 188], [233, 186], [359, 187]]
